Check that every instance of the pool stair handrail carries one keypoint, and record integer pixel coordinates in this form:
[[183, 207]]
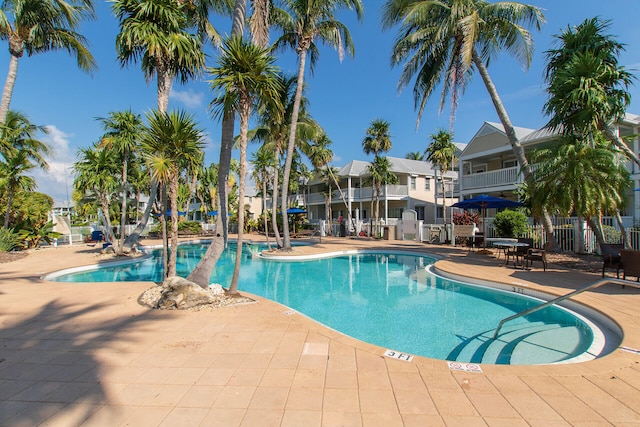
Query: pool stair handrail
[[562, 298]]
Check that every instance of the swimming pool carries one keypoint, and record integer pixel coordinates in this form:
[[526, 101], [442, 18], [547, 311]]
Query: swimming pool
[[391, 299]]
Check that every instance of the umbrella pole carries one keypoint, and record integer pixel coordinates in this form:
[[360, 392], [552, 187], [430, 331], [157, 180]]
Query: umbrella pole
[[484, 226]]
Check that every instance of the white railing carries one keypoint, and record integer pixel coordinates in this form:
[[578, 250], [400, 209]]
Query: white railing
[[567, 234], [506, 176], [360, 194]]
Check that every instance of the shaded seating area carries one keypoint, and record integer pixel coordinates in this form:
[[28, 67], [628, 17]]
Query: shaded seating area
[[611, 257], [518, 252]]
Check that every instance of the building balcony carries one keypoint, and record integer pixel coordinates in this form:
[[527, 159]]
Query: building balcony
[[491, 179], [393, 192]]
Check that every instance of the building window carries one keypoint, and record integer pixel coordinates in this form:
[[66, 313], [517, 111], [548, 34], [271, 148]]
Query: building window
[[509, 163], [395, 212], [420, 213], [427, 183], [413, 182]]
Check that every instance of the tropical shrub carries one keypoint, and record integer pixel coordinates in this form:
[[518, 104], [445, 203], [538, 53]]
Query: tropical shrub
[[9, 240], [465, 218], [184, 227], [33, 233], [611, 234], [510, 223]]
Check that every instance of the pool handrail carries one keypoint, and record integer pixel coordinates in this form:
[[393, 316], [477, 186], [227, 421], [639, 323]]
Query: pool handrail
[[593, 285]]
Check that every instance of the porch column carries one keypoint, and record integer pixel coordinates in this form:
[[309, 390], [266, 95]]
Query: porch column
[[349, 219], [435, 196], [386, 206], [360, 197]]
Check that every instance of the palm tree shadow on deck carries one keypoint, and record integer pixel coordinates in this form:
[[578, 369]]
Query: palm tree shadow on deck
[[48, 364]]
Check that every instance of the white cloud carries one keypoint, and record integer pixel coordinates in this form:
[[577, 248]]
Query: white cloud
[[57, 182], [189, 98]]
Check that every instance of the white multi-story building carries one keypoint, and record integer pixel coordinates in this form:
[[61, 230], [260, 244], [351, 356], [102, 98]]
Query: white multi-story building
[[419, 188], [488, 166]]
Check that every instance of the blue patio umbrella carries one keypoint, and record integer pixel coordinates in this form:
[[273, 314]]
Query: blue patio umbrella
[[180, 213], [485, 202], [295, 211]]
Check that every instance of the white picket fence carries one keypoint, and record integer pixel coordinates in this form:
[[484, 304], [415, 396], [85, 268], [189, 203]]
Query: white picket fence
[[569, 234]]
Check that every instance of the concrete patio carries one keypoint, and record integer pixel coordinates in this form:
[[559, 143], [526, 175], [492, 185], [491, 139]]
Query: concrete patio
[[89, 354]]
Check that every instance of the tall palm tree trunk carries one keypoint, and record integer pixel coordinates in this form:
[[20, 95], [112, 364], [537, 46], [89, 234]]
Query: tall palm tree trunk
[[163, 225], [8, 211], [291, 147], [552, 244], [613, 137], [133, 238], [344, 200], [596, 227], [173, 197], [274, 210], [10, 82], [244, 126], [123, 206], [202, 273], [164, 88], [264, 209], [626, 237]]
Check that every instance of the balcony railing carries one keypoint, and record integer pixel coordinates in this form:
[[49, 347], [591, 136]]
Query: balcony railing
[[360, 194], [497, 178]]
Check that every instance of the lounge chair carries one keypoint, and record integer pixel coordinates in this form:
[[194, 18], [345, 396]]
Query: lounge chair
[[611, 257], [631, 264]]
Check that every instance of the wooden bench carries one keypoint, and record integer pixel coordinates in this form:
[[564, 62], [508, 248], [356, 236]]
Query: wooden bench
[[463, 231]]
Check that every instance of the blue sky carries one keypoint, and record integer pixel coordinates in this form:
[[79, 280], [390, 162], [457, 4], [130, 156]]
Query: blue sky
[[345, 97]]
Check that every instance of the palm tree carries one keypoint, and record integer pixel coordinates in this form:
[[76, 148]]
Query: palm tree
[[580, 177], [380, 174], [441, 152], [445, 40], [156, 33], [203, 270], [41, 26], [377, 140], [588, 90], [308, 21], [320, 156], [273, 128], [414, 155], [265, 163], [245, 75], [172, 143], [122, 129], [97, 175], [20, 152]]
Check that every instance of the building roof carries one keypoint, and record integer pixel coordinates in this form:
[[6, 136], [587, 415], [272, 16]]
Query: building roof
[[399, 165]]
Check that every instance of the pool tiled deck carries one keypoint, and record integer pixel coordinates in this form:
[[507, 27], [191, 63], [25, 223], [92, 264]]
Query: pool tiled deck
[[75, 354]]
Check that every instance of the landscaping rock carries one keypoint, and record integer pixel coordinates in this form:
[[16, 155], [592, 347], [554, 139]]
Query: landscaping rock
[[179, 293]]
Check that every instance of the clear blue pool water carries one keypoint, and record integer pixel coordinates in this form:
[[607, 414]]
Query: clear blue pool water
[[390, 300]]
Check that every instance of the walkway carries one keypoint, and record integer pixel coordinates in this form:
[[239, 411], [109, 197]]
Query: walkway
[[74, 354]]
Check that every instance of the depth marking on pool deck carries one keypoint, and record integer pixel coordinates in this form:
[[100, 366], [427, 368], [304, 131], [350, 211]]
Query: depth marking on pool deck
[[466, 367], [397, 355]]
